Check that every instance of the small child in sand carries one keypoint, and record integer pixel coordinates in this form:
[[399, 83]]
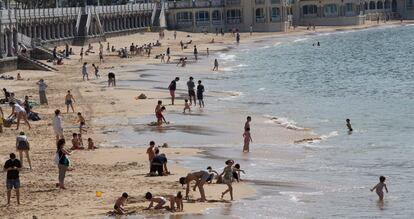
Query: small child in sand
[[80, 140], [82, 123], [247, 139], [161, 201], [186, 106], [176, 201], [236, 172], [76, 143], [161, 117], [91, 145], [120, 202], [212, 173], [379, 187]]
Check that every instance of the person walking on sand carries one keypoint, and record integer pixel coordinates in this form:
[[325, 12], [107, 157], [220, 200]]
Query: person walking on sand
[[168, 55], [42, 91], [57, 125], [379, 187], [62, 161], [175, 34], [85, 71], [81, 55], [227, 175], [247, 139], [172, 87], [20, 113], [96, 70], [216, 65], [201, 178], [191, 92], [69, 100], [12, 167], [22, 145], [195, 52], [200, 91], [111, 79]]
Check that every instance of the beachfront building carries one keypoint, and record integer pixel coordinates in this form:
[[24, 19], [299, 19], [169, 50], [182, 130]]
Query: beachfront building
[[216, 15]]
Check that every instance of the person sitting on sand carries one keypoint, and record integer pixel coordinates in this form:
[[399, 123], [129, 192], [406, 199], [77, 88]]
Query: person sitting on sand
[[176, 200], [379, 187], [212, 173], [161, 201], [227, 175], [201, 178], [91, 145], [76, 143], [236, 172], [82, 122], [348, 125], [186, 106], [19, 77], [120, 202]]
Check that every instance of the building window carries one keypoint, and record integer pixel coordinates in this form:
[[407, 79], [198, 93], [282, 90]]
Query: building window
[[216, 15], [330, 10], [233, 16], [259, 2], [275, 14], [372, 5], [349, 9], [275, 1], [310, 10], [184, 16], [202, 16], [260, 18], [387, 5], [410, 3], [379, 5]]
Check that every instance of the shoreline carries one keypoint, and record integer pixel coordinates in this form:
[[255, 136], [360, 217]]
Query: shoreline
[[91, 109]]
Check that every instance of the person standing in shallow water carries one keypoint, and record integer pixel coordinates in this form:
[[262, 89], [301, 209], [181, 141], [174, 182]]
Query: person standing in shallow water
[[191, 92], [348, 125], [215, 68], [200, 91], [172, 87], [247, 123]]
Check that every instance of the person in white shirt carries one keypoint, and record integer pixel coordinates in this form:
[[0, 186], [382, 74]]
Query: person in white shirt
[[57, 125], [20, 113]]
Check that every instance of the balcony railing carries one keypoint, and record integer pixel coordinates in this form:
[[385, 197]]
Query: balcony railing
[[233, 20], [259, 2], [233, 2], [260, 19], [196, 4]]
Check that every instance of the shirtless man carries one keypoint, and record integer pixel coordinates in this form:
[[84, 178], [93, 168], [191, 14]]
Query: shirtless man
[[69, 100], [247, 124], [201, 178]]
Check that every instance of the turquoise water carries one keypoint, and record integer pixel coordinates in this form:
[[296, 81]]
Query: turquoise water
[[366, 76]]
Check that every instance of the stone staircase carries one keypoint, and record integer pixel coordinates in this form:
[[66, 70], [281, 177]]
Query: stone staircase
[[25, 62]]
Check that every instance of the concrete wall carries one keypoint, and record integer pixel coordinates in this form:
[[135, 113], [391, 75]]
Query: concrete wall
[[8, 64]]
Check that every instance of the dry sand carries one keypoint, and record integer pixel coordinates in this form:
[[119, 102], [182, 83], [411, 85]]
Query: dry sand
[[109, 170]]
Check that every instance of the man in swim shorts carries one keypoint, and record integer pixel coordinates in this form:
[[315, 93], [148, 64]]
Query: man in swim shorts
[[191, 92], [201, 178], [172, 88]]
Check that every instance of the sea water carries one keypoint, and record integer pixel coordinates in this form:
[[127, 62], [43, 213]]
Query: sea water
[[289, 81], [366, 76]]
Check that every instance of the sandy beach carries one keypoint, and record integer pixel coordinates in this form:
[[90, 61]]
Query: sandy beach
[[116, 168]]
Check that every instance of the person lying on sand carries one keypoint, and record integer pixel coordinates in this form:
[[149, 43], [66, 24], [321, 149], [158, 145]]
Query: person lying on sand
[[176, 201], [201, 178], [120, 202], [161, 201]]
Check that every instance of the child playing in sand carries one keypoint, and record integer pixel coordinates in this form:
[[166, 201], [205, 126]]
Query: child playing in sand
[[76, 143], [176, 201], [186, 106], [161, 201], [212, 174], [160, 117], [80, 140], [379, 187], [120, 202], [247, 139], [236, 172], [81, 121], [91, 145]]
